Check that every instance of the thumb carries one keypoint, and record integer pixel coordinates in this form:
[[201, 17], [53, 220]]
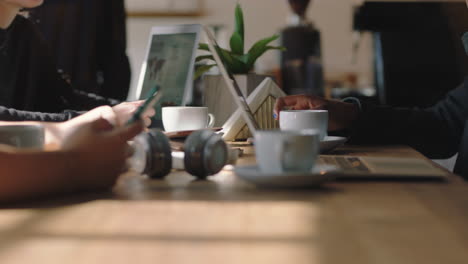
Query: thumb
[[128, 132], [101, 124], [279, 104]]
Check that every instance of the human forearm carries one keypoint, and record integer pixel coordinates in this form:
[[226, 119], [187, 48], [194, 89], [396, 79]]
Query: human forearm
[[27, 174], [418, 128]]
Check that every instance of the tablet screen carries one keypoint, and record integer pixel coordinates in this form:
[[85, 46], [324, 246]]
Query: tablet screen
[[168, 65]]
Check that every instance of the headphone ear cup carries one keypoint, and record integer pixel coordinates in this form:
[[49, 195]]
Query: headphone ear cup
[[205, 153], [160, 158]]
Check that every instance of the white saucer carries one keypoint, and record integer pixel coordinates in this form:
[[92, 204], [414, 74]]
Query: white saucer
[[318, 175], [329, 143]]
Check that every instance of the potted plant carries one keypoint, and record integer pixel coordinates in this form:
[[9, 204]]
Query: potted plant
[[239, 62]]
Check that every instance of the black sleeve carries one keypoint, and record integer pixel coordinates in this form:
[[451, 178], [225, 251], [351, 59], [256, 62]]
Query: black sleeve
[[9, 114], [86, 101], [61, 95], [111, 50], [57, 94], [435, 132]]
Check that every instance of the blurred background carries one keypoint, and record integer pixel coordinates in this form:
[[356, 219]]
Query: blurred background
[[333, 18], [405, 53], [398, 52], [395, 52]]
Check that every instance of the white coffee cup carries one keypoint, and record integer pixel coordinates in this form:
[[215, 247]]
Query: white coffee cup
[[181, 118], [23, 136], [297, 120], [286, 151]]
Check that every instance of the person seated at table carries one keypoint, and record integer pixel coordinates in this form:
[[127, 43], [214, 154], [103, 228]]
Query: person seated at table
[[29, 80], [90, 154], [438, 132]]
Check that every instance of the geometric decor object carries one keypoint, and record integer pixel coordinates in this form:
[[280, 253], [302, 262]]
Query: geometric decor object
[[261, 101]]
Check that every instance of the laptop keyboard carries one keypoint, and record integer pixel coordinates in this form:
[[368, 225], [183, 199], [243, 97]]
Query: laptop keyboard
[[348, 164]]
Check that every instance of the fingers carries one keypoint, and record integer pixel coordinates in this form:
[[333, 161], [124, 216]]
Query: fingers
[[286, 101], [124, 111], [129, 150], [147, 121], [135, 103], [147, 116], [317, 105], [299, 102], [102, 124], [278, 107], [128, 132], [150, 112]]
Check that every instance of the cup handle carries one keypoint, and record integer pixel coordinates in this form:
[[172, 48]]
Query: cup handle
[[211, 121]]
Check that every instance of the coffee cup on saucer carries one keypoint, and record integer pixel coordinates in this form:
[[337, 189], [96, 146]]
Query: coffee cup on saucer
[[23, 136], [297, 120], [286, 151], [185, 118]]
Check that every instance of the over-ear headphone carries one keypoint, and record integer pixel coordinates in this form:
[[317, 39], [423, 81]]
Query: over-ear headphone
[[205, 153]]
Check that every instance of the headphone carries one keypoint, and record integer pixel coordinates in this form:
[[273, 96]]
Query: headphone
[[205, 154]]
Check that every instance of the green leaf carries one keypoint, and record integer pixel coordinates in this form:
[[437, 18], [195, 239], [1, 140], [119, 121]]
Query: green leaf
[[259, 48], [233, 62], [203, 46], [251, 61], [225, 55], [239, 23], [237, 44], [244, 57], [204, 57], [202, 70]]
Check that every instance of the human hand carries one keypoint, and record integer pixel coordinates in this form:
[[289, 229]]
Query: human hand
[[98, 153], [341, 115], [124, 112], [55, 133], [299, 102]]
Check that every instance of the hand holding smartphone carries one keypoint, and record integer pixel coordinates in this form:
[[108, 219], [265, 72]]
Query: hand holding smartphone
[[154, 95]]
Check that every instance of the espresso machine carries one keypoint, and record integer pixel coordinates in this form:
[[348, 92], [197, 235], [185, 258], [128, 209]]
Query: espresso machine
[[301, 63], [418, 53]]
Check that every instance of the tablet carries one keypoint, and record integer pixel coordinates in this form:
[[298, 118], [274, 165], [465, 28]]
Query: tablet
[[169, 63]]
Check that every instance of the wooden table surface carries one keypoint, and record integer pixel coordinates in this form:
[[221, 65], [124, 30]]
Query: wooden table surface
[[226, 220]]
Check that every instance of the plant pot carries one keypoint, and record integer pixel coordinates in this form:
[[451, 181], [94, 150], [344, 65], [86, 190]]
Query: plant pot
[[218, 97]]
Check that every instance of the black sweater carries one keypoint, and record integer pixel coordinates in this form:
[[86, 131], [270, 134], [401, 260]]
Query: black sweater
[[88, 40], [29, 79], [438, 132]]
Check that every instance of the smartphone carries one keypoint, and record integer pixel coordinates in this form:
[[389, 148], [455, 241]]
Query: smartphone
[[154, 95]]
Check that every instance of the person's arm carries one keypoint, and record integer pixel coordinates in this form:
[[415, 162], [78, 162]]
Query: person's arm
[[436, 131], [30, 174], [341, 114], [10, 114], [91, 158]]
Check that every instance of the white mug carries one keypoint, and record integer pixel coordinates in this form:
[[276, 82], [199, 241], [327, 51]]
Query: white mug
[[286, 151], [297, 120], [23, 136], [181, 118]]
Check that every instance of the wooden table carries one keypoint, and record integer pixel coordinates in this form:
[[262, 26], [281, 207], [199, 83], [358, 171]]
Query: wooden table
[[226, 220]]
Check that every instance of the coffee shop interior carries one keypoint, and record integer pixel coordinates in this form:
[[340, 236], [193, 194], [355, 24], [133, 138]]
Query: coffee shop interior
[[380, 51], [282, 131]]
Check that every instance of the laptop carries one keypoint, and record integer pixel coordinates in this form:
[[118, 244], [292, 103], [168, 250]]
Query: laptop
[[349, 166], [169, 64]]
